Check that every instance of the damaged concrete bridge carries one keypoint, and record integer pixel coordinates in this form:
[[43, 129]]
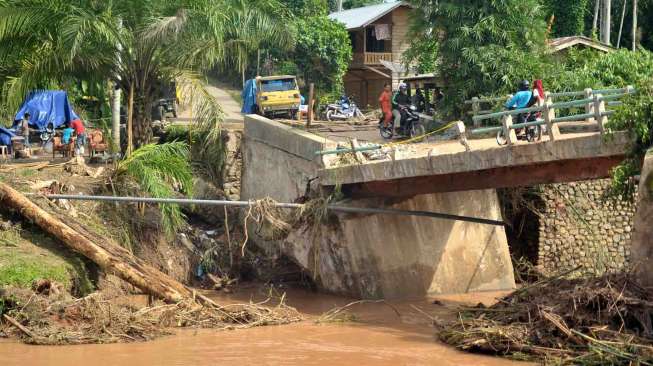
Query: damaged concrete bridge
[[383, 256]]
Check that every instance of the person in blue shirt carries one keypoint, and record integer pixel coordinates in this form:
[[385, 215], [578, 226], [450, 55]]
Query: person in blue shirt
[[67, 134], [521, 99]]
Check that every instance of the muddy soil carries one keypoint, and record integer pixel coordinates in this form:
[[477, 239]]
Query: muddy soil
[[373, 335]]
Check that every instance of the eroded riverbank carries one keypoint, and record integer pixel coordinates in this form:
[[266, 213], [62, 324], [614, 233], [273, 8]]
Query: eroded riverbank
[[377, 336]]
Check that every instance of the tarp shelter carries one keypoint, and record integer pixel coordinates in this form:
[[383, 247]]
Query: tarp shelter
[[5, 136], [249, 97], [45, 107]]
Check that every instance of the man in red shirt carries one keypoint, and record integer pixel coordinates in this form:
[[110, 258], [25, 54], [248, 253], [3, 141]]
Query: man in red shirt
[[386, 104], [80, 131]]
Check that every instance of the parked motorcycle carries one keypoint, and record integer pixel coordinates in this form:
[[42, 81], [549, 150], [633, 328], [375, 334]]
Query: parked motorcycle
[[411, 126], [343, 110], [530, 133]]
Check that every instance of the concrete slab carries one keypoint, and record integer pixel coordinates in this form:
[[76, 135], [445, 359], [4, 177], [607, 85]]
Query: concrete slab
[[448, 167]]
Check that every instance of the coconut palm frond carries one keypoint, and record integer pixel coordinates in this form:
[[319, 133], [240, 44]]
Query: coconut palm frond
[[166, 28], [160, 171]]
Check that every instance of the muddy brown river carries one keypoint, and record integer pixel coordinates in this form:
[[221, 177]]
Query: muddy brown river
[[377, 336]]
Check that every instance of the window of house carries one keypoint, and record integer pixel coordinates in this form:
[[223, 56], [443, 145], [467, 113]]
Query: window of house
[[375, 45]]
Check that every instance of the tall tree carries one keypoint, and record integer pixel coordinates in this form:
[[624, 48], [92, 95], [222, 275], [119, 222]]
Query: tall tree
[[484, 49], [172, 40], [634, 29], [606, 21]]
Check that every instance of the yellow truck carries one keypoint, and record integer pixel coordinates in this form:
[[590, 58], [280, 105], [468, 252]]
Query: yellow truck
[[277, 95]]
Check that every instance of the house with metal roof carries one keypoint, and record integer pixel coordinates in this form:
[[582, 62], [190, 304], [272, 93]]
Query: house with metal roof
[[379, 37]]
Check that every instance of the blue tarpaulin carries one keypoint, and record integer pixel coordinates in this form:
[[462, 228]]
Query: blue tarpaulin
[[249, 97], [45, 107], [5, 136]]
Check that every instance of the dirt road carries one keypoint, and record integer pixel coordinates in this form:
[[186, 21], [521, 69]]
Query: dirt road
[[233, 119]]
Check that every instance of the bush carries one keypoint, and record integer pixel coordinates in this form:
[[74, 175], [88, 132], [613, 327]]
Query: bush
[[323, 52], [636, 116]]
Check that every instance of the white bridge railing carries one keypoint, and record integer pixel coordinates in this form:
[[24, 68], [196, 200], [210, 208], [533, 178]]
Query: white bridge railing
[[595, 103], [480, 106]]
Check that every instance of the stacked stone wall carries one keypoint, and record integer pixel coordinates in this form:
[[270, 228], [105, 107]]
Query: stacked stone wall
[[580, 226], [233, 164]]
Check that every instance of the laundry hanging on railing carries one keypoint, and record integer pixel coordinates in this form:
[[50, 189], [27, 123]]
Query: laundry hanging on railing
[[382, 32]]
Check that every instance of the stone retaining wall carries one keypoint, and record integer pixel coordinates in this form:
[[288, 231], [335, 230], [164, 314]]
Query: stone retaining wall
[[580, 227]]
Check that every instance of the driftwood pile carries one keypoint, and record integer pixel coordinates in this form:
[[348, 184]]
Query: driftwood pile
[[598, 321], [54, 319], [188, 307]]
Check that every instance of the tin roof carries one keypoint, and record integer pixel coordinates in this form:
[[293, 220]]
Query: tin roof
[[559, 44], [362, 17]]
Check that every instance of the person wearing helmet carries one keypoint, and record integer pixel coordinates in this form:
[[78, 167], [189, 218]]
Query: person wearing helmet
[[521, 99], [400, 101]]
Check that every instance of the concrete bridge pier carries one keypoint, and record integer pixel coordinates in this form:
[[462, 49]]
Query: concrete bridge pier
[[376, 256]]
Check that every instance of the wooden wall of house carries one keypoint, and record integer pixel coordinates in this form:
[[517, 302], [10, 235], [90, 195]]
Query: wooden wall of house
[[365, 87], [400, 32]]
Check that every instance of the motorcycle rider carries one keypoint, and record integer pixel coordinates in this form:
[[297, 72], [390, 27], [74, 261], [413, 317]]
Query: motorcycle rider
[[400, 101], [521, 99]]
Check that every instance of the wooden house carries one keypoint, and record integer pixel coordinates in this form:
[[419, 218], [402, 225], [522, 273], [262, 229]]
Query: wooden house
[[379, 37]]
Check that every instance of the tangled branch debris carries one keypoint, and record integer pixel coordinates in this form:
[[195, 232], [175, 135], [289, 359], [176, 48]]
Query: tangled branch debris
[[597, 321], [62, 319]]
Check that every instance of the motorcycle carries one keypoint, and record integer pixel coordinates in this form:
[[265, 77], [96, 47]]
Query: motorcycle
[[411, 128], [530, 133], [343, 110]]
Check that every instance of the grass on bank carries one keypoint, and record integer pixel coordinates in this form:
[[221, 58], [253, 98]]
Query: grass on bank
[[26, 256]]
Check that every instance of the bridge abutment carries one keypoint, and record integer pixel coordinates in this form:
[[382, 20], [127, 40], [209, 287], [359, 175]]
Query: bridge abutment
[[376, 256]]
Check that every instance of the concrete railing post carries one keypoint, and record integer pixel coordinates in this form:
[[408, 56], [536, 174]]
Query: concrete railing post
[[599, 110], [508, 131], [548, 97], [460, 129], [476, 109], [589, 107], [549, 114]]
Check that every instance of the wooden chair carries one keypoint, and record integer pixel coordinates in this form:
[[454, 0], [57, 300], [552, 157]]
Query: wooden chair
[[66, 150], [96, 143]]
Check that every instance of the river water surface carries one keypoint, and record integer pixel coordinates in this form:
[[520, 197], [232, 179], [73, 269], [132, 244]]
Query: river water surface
[[377, 336]]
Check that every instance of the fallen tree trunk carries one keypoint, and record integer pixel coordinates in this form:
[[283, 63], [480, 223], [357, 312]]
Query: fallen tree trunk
[[108, 255]]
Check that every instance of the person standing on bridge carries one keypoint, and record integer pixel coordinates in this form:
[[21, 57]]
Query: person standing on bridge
[[385, 100], [521, 99]]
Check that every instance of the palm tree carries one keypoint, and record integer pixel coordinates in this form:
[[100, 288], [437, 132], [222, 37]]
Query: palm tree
[[136, 44]]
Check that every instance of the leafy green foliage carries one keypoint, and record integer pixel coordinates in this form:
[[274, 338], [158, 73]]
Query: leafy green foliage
[[483, 48], [159, 171], [569, 16], [303, 8], [323, 52], [423, 53], [351, 4], [636, 116]]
